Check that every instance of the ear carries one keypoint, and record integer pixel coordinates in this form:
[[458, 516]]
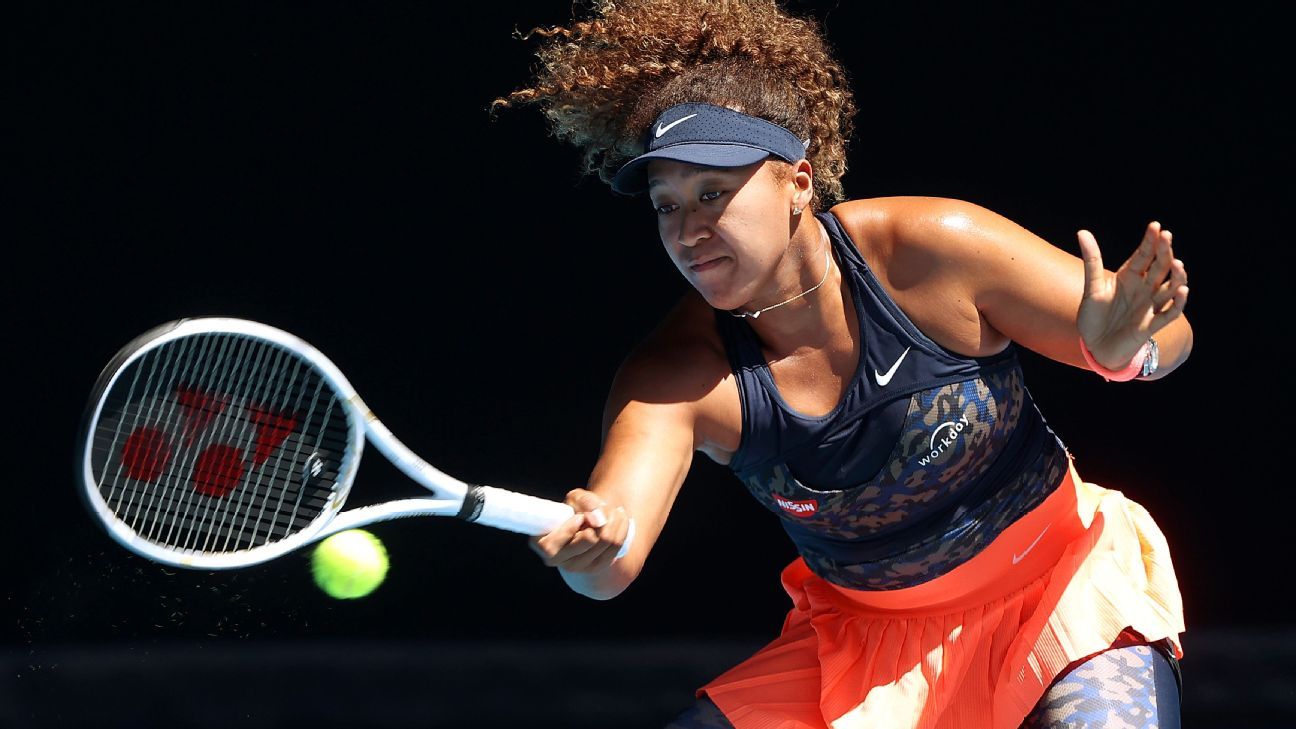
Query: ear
[[802, 183]]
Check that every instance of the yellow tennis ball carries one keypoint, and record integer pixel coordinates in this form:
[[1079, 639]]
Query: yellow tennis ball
[[349, 564]]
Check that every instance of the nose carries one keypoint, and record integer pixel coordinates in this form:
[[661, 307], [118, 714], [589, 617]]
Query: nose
[[694, 227]]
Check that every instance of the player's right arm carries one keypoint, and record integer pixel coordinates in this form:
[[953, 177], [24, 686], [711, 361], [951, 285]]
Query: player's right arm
[[656, 417]]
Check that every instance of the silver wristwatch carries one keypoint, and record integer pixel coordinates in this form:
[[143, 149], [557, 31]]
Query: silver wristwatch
[[1152, 360]]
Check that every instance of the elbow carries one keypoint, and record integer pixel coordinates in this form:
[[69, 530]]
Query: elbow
[[602, 585], [605, 594]]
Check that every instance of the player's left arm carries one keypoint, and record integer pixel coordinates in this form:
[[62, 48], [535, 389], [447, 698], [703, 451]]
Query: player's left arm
[[1046, 299]]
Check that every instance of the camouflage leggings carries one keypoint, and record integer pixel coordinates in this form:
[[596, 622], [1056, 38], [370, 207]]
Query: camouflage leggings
[[1134, 686]]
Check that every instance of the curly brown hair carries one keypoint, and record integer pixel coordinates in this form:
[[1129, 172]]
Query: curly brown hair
[[603, 79]]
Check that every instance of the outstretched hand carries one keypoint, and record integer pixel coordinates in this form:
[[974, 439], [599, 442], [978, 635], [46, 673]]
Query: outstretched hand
[[1120, 310]]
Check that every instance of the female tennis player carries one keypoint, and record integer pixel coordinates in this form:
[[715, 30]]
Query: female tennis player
[[854, 363]]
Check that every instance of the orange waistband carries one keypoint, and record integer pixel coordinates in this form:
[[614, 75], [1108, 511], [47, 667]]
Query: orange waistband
[[1028, 548]]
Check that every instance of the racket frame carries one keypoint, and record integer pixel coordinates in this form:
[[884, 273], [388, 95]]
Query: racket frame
[[484, 504]]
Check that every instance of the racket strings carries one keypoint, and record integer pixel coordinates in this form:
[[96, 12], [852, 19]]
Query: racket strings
[[290, 389], [188, 411], [260, 486], [219, 442], [158, 445], [219, 472], [163, 500], [206, 468]]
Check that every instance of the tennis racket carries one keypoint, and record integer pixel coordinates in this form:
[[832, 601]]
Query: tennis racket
[[215, 443]]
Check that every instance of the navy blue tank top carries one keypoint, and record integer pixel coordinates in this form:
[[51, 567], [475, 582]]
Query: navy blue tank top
[[927, 457]]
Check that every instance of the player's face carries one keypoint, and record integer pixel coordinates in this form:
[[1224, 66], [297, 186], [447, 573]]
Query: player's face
[[727, 229]]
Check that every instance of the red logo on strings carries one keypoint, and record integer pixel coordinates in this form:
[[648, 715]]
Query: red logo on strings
[[219, 467]]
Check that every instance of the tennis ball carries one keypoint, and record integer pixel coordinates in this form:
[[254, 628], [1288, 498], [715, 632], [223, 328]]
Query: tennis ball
[[349, 564]]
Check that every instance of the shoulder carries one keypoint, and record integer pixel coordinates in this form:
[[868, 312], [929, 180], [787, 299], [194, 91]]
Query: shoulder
[[943, 240], [682, 360], [680, 375], [945, 262], [916, 223]]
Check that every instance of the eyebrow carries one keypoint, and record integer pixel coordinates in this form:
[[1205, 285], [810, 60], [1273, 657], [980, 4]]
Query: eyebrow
[[689, 171]]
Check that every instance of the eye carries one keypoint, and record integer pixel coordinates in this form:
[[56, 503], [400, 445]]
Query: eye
[[708, 196], [666, 209]]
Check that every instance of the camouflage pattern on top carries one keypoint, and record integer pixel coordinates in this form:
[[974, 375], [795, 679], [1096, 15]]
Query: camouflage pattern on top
[[952, 437]]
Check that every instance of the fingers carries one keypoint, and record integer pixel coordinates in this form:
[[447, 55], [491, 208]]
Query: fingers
[[587, 502], [1145, 254], [610, 538], [1173, 309], [1171, 297], [1162, 260], [589, 540], [1149, 264], [1166, 277], [1092, 257], [563, 543], [1169, 287]]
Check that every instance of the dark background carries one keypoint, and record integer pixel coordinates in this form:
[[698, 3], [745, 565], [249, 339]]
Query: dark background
[[331, 169]]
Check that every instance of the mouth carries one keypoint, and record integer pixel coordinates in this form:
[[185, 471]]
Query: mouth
[[707, 264]]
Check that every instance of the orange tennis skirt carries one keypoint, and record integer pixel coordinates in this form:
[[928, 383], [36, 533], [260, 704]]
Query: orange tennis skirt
[[975, 647]]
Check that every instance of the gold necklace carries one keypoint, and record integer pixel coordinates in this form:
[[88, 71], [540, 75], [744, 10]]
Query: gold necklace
[[827, 268]]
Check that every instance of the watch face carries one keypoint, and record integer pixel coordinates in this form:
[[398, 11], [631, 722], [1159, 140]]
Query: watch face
[[1152, 360]]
